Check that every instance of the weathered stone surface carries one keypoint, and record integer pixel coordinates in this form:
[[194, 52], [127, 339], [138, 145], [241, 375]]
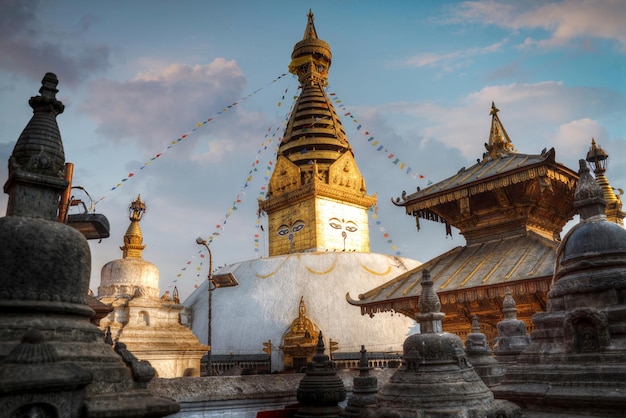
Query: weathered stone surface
[[480, 356], [436, 379], [575, 365]]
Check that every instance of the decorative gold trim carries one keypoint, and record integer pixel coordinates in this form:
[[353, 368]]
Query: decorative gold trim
[[375, 272]]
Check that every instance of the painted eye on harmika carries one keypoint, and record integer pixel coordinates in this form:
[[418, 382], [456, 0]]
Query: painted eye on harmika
[[297, 226], [334, 223], [283, 230]]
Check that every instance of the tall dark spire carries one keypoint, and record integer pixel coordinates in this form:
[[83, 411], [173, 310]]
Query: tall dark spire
[[37, 164]]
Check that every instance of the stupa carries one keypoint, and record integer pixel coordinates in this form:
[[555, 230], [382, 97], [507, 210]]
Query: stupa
[[575, 364], [147, 324], [53, 361], [318, 239]]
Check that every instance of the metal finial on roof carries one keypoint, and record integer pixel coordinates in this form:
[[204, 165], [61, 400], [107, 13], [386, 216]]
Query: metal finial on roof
[[597, 159], [309, 31], [499, 142]]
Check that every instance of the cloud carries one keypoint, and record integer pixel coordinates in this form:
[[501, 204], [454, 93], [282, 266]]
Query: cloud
[[535, 115], [158, 106], [27, 44], [451, 60], [563, 22]]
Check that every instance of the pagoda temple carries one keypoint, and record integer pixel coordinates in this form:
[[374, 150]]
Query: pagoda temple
[[318, 239], [511, 208]]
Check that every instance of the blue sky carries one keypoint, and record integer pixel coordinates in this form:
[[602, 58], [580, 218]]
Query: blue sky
[[418, 76]]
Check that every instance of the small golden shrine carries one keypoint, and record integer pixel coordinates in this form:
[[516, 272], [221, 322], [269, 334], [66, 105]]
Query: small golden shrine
[[316, 198], [300, 340], [511, 208]]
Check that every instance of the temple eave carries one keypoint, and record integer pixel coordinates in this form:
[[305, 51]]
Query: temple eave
[[480, 186], [409, 305]]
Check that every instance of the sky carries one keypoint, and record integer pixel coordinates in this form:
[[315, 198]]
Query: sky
[[184, 103]]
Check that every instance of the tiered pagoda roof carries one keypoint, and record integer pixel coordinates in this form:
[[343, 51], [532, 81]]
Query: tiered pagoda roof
[[510, 207]]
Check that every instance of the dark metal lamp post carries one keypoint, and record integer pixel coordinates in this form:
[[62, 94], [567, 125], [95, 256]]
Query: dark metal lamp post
[[201, 241]]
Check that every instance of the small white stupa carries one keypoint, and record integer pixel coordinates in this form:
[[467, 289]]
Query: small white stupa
[[149, 325]]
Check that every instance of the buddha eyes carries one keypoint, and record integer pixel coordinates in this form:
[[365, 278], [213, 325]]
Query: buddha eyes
[[336, 223]]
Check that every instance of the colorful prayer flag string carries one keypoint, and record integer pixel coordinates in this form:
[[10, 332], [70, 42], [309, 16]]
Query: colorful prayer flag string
[[267, 140], [374, 214], [376, 143], [179, 139]]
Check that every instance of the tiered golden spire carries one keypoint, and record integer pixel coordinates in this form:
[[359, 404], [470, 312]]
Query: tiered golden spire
[[499, 142], [133, 237], [597, 159], [314, 166]]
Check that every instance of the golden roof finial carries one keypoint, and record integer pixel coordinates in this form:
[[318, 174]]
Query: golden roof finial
[[133, 238], [597, 159], [310, 32], [499, 142]]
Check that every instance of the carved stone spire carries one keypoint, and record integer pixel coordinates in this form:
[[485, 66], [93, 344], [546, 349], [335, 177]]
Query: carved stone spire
[[37, 164], [512, 338], [365, 389]]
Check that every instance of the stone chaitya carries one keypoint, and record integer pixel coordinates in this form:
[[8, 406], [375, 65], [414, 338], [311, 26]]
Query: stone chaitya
[[512, 338], [320, 390], [436, 379], [53, 360], [364, 389], [575, 364], [481, 357]]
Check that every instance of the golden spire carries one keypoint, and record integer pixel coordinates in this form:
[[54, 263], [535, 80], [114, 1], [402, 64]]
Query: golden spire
[[315, 166], [499, 142], [133, 238], [597, 159]]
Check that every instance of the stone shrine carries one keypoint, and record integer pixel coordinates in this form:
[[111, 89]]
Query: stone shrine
[[147, 324], [54, 362], [321, 390], [512, 338], [575, 364], [365, 387]]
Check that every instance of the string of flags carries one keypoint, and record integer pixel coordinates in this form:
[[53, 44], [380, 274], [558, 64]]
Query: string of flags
[[393, 158], [267, 141], [176, 141], [374, 214]]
